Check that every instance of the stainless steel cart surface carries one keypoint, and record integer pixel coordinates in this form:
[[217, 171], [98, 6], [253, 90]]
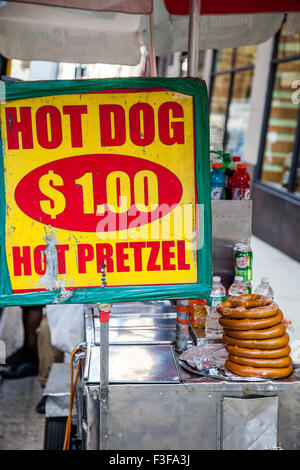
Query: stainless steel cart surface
[[155, 404]]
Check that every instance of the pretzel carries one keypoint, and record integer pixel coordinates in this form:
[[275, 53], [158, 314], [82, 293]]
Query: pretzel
[[248, 371], [273, 332], [255, 300], [258, 353], [272, 343], [250, 324], [248, 306], [245, 361]]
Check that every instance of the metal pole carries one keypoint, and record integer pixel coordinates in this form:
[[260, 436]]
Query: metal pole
[[194, 37], [151, 46], [104, 311]]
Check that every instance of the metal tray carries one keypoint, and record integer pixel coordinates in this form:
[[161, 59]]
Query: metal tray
[[135, 364], [140, 322], [131, 336], [135, 309], [139, 330]]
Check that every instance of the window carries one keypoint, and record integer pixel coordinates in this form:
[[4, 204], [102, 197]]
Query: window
[[231, 83], [279, 161], [184, 64]]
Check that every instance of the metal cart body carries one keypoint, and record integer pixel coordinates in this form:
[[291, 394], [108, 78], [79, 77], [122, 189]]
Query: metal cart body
[[153, 402]]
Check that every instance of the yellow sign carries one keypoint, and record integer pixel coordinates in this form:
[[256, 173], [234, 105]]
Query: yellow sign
[[100, 178]]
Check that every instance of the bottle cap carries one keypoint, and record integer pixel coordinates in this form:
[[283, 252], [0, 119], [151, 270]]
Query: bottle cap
[[238, 278], [242, 247], [216, 278], [239, 245], [217, 165], [242, 165], [236, 159], [264, 279]]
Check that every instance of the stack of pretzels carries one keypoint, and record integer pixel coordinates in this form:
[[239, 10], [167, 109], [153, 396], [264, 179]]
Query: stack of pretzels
[[255, 337]]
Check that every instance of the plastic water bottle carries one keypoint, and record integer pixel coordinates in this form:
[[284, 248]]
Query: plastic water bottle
[[216, 137], [216, 156], [264, 288], [237, 288], [217, 178], [218, 294], [240, 186]]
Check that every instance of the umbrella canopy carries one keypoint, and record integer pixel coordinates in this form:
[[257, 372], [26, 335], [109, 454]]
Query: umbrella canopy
[[122, 6], [35, 32], [198, 8], [216, 31], [176, 7], [39, 32], [215, 7]]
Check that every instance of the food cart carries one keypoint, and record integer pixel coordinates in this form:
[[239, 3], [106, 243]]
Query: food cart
[[132, 391], [154, 402]]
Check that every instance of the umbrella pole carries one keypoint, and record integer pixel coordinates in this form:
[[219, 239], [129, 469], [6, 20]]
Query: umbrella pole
[[104, 312], [194, 36], [151, 46]]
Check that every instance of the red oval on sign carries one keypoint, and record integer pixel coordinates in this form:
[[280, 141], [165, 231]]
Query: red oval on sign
[[52, 194]]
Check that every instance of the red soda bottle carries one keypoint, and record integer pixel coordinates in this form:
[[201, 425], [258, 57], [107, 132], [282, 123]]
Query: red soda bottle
[[240, 186], [229, 173]]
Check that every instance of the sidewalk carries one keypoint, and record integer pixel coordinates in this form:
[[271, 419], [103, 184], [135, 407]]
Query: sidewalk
[[284, 276], [21, 427]]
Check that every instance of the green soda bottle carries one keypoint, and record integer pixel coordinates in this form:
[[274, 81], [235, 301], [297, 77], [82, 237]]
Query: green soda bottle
[[243, 262], [226, 167], [226, 163]]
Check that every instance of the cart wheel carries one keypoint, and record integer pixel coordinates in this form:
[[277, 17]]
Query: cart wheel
[[55, 429]]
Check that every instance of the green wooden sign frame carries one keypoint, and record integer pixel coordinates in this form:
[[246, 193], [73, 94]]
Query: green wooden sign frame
[[201, 289]]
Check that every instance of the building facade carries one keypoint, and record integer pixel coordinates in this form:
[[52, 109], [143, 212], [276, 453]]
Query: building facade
[[254, 94]]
